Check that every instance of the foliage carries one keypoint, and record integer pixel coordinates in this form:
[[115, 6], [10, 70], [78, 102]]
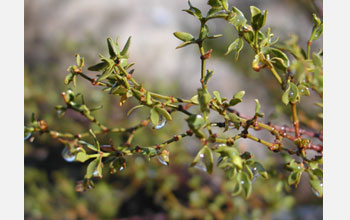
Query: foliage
[[296, 71]]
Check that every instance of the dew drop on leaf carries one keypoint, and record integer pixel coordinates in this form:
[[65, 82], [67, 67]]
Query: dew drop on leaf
[[95, 173], [161, 123], [200, 165], [27, 136], [67, 155], [291, 93], [162, 161]]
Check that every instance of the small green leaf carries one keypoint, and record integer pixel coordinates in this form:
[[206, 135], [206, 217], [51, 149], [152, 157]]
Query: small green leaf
[[261, 170], [78, 59], [257, 108], [206, 155], [204, 99], [285, 96], [154, 116], [215, 3], [303, 90], [90, 146], [246, 184], [195, 122], [258, 19], [217, 96], [194, 11], [235, 119], [236, 46], [294, 178], [98, 67], [184, 44], [208, 76], [277, 56], [317, 186], [237, 160], [81, 156], [148, 98], [183, 36], [91, 168], [195, 100], [124, 52], [69, 78], [105, 74], [112, 48], [237, 98], [164, 112], [134, 108]]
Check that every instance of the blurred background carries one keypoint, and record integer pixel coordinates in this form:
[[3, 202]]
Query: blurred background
[[56, 30]]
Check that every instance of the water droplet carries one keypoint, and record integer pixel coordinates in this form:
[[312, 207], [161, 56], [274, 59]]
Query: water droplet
[[298, 168], [162, 161], [302, 90], [255, 174], [27, 136], [201, 155], [95, 173], [242, 182], [163, 157], [67, 155], [161, 123], [291, 93], [200, 165], [121, 168]]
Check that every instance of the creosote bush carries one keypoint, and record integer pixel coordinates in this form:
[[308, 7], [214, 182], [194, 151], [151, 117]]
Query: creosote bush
[[296, 70]]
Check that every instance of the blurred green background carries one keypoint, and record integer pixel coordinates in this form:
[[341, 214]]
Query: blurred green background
[[56, 30]]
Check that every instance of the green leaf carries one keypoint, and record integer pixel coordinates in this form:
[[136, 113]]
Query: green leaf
[[303, 90], [235, 119], [236, 46], [204, 99], [164, 112], [194, 11], [124, 52], [195, 100], [257, 108], [184, 44], [294, 178], [215, 4], [98, 67], [154, 116], [90, 146], [225, 4], [91, 168], [285, 96], [112, 48], [195, 122], [183, 36], [208, 76], [134, 108], [261, 170], [246, 184], [78, 60], [217, 96], [294, 95], [238, 20], [238, 186], [277, 56], [237, 160], [148, 98], [204, 32], [105, 74], [317, 186], [206, 155], [69, 78], [237, 98], [258, 19], [81, 156], [256, 63]]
